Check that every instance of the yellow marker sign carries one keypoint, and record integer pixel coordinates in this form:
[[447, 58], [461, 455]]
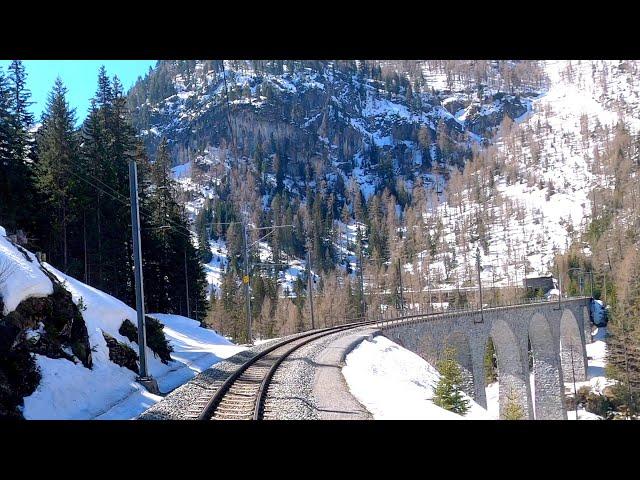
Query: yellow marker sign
[[245, 279]]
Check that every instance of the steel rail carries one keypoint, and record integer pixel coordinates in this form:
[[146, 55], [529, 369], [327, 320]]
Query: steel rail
[[266, 381], [307, 337], [216, 399]]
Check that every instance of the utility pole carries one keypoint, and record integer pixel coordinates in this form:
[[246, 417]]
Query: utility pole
[[310, 288], [363, 305], [479, 283], [420, 289], [186, 282], [493, 283], [401, 296], [429, 287], [144, 378], [245, 280], [581, 284], [559, 288]]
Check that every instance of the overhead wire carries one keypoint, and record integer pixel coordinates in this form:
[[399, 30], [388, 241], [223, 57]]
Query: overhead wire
[[127, 203]]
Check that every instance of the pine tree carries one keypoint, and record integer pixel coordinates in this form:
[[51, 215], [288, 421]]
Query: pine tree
[[490, 370], [6, 154], [177, 258], [512, 410], [57, 157], [448, 393], [17, 203]]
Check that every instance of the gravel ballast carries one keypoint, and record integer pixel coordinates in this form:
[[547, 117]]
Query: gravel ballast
[[299, 388], [291, 392]]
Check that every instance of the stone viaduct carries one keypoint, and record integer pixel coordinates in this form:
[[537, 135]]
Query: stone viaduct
[[553, 334]]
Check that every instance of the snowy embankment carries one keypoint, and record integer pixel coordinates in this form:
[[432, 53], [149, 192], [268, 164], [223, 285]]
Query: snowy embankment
[[108, 391], [69, 390], [394, 383], [596, 379], [20, 277]]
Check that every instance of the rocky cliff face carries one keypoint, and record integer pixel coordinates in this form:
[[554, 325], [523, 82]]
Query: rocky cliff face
[[59, 337], [51, 326], [321, 108]]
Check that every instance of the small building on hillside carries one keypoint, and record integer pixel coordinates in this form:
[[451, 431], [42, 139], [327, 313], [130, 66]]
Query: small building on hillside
[[540, 286]]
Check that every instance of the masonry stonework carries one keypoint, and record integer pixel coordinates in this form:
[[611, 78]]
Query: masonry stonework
[[557, 337]]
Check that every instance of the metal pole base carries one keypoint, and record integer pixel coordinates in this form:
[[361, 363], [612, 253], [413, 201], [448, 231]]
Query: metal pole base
[[149, 383]]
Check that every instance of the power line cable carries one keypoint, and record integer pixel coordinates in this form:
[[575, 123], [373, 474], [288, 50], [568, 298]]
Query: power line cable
[[128, 204], [120, 195]]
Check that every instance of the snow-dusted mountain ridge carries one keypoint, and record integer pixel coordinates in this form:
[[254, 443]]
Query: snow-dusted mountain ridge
[[331, 127]]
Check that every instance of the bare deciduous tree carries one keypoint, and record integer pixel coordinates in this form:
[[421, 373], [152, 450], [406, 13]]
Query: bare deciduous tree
[[6, 269]]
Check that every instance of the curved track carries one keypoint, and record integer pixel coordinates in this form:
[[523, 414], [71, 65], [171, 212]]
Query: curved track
[[242, 395]]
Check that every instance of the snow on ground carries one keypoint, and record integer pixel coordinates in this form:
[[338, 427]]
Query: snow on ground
[[394, 383], [216, 267], [194, 349], [596, 352], [493, 404], [181, 171], [19, 278], [553, 144], [108, 391]]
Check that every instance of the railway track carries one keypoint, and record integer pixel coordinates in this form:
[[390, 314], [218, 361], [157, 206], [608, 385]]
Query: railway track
[[241, 396]]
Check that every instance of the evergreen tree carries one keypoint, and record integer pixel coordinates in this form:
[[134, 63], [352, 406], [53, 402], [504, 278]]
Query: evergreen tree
[[58, 154], [512, 410], [6, 154], [182, 287], [448, 393], [17, 203]]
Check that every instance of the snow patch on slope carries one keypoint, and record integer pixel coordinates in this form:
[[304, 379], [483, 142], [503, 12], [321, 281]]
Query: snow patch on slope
[[394, 383], [19, 278], [71, 391]]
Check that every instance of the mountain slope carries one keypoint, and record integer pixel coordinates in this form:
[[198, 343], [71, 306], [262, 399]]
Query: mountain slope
[[327, 126], [427, 160]]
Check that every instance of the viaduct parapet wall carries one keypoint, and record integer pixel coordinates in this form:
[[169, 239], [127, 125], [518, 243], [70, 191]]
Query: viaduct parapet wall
[[557, 334]]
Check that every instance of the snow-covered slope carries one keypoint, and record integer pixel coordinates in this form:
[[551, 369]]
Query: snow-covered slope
[[394, 383], [194, 349], [20, 275], [550, 147], [578, 102], [69, 390], [547, 170], [315, 104]]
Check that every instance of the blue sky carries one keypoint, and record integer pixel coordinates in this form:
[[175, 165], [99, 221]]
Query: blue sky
[[79, 76]]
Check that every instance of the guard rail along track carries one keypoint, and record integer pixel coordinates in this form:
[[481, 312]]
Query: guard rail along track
[[242, 395]]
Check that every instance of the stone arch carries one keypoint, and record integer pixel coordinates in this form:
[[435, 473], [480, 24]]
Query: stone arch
[[513, 384], [573, 355], [398, 339], [460, 343], [429, 349], [547, 394]]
